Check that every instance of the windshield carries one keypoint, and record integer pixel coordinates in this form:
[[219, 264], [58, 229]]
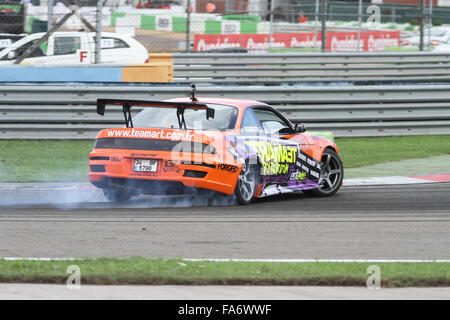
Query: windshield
[[224, 118], [19, 47]]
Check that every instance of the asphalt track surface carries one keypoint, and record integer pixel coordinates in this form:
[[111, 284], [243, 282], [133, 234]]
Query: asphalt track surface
[[382, 222]]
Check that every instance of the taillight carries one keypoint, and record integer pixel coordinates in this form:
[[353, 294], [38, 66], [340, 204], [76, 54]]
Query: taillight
[[405, 43]]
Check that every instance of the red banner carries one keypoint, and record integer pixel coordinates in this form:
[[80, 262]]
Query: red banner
[[336, 41]]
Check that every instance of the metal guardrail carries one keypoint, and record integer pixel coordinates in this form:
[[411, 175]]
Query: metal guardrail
[[68, 112], [305, 67]]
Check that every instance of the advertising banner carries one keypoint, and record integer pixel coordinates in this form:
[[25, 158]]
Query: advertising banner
[[336, 41]]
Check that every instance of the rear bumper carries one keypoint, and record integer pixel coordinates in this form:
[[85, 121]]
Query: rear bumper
[[110, 168]]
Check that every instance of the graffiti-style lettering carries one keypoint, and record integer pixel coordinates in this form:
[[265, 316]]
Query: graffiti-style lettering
[[275, 158]]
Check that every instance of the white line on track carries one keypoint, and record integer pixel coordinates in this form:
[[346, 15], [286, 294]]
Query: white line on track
[[383, 181], [254, 260], [319, 260], [41, 259]]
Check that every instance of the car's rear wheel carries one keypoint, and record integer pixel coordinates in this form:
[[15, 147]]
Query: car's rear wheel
[[331, 175], [247, 182], [117, 195]]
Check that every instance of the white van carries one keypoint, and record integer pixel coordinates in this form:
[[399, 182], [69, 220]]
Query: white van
[[76, 48]]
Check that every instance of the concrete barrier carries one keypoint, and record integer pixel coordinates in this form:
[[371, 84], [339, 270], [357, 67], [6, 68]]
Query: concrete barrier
[[159, 69], [60, 73]]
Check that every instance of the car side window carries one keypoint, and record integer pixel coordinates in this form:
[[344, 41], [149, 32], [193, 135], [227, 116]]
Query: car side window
[[250, 120], [270, 121], [66, 45], [112, 43]]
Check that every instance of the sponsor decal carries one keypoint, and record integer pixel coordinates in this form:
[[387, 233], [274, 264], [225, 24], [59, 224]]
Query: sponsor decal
[[231, 27], [5, 43], [275, 158], [311, 162], [150, 134], [227, 167], [84, 57], [336, 41], [107, 43], [302, 157], [298, 175], [143, 154], [163, 23], [115, 159], [284, 166], [314, 174], [171, 166], [170, 163], [143, 173]]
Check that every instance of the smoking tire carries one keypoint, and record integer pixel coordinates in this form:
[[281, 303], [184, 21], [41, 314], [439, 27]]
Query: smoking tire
[[247, 182]]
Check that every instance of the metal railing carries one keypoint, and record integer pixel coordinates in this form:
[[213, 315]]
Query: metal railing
[[306, 67], [68, 112]]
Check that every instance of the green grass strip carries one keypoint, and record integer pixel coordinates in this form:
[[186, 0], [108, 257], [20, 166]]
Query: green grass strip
[[50, 160], [357, 152], [65, 161], [140, 270]]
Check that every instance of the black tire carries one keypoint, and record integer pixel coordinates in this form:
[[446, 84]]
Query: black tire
[[247, 183], [115, 195], [331, 175]]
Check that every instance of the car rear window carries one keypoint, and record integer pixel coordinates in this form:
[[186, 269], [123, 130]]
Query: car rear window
[[224, 118], [112, 43]]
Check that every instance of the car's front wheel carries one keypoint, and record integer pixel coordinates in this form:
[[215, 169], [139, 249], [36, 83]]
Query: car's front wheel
[[247, 183], [331, 175]]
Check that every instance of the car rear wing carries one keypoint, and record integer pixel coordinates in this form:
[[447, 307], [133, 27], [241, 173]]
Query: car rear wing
[[127, 104]]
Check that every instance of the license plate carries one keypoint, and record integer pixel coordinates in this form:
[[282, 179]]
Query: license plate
[[142, 165]]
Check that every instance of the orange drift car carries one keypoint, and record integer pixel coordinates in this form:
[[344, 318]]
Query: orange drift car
[[240, 147]]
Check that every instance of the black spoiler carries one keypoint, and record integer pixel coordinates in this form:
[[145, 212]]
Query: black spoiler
[[127, 104]]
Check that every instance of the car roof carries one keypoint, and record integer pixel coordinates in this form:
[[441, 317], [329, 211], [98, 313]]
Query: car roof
[[239, 103]]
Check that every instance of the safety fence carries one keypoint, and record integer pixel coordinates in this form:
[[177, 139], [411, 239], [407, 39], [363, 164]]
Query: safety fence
[[68, 112], [170, 26]]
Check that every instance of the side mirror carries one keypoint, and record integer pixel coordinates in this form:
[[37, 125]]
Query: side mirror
[[299, 128], [286, 131], [11, 55]]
